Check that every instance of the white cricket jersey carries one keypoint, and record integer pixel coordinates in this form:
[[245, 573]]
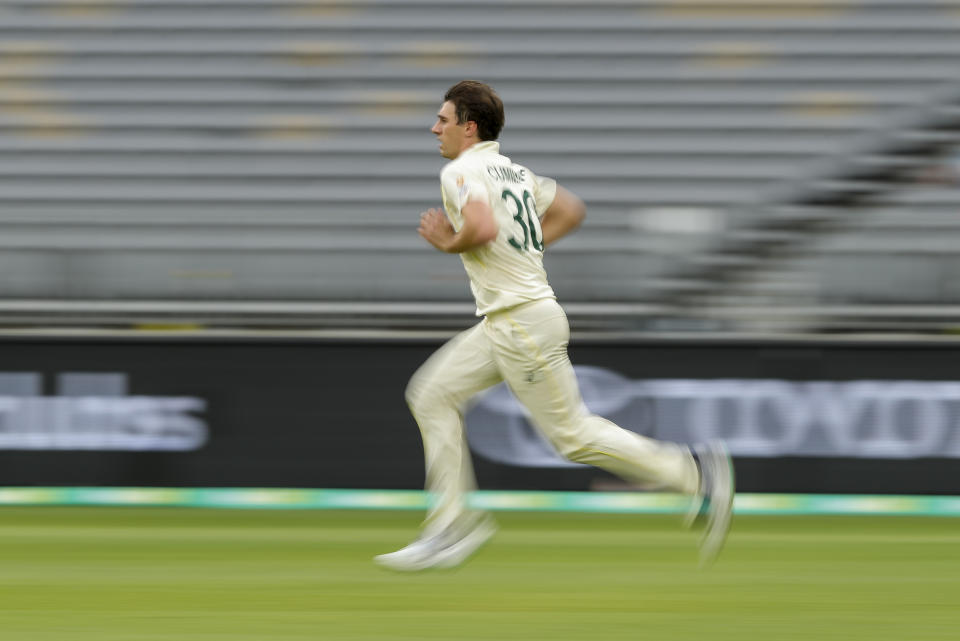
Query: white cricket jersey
[[509, 270]]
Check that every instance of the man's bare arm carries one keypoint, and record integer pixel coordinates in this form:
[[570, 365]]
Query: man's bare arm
[[479, 228], [564, 215]]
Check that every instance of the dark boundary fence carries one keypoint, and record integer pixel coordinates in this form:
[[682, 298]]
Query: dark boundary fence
[[301, 411]]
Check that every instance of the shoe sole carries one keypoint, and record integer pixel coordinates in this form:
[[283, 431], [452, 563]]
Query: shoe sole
[[445, 558], [466, 547], [695, 509], [402, 566]]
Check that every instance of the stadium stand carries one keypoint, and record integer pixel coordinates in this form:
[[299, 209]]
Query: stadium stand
[[256, 162]]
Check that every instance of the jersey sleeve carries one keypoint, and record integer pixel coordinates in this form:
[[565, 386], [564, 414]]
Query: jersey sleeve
[[459, 187], [545, 191]]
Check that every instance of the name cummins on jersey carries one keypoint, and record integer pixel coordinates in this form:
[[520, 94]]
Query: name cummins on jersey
[[509, 270]]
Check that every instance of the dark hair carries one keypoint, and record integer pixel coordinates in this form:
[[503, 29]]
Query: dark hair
[[476, 101]]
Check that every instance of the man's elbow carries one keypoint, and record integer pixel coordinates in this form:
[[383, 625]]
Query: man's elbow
[[579, 213], [480, 223], [488, 233], [571, 207], [575, 213]]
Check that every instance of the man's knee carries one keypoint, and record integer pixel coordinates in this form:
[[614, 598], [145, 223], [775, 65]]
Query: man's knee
[[424, 391], [415, 390]]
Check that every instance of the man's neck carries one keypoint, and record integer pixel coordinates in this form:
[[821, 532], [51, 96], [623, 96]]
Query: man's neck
[[467, 146], [472, 145]]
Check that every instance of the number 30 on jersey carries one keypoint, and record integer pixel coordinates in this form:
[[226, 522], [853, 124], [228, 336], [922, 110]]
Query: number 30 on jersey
[[526, 215]]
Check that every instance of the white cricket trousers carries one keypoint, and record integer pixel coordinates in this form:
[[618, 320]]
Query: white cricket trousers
[[526, 346]]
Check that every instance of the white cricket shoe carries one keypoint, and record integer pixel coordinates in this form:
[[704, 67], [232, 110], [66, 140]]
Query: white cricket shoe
[[444, 550], [717, 472]]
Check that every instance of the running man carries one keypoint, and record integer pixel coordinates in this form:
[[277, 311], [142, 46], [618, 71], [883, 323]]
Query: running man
[[499, 217]]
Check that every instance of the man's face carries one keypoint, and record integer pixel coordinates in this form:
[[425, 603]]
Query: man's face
[[450, 134]]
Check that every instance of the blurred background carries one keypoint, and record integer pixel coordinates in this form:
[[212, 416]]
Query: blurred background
[[211, 273]]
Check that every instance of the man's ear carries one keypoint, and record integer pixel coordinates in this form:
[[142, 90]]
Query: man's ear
[[470, 128]]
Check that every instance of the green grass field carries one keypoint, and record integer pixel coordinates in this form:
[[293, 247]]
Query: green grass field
[[162, 573]]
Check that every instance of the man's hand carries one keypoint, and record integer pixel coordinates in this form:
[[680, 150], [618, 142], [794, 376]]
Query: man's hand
[[436, 229]]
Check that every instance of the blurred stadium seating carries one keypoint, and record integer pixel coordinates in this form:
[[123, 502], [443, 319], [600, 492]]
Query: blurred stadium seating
[[747, 164]]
